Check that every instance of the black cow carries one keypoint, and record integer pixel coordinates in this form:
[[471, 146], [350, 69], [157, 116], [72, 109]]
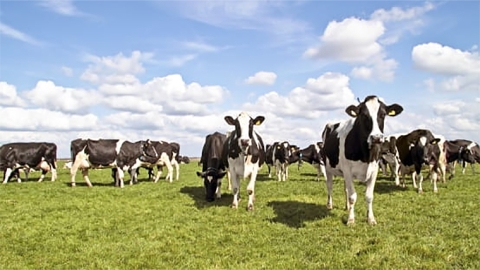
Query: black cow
[[413, 150], [213, 168], [109, 153], [243, 154], [312, 154], [352, 150], [475, 151], [28, 155]]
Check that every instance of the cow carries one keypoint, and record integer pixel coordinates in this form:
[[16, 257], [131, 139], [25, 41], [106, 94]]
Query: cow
[[390, 157], [28, 155], [352, 150], [243, 154], [184, 159], [312, 154], [213, 168], [462, 151], [413, 151], [279, 154], [166, 157], [109, 153]]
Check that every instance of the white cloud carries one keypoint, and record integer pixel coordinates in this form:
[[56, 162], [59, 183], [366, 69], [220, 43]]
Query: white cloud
[[398, 14], [200, 46], [178, 61], [44, 120], [8, 95], [461, 67], [13, 33], [328, 92], [113, 69], [434, 57], [64, 7], [132, 104], [262, 78], [49, 96]]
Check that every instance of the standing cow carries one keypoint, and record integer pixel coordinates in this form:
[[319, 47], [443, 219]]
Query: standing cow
[[109, 153], [352, 149], [244, 153], [29, 155], [312, 154], [213, 168]]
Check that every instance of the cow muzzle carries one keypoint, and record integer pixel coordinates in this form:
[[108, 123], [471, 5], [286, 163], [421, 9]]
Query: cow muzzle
[[377, 138]]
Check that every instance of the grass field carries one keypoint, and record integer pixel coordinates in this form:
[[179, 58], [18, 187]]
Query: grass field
[[170, 225]]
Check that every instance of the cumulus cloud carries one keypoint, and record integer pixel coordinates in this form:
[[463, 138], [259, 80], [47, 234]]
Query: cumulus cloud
[[8, 95], [461, 67], [44, 120], [47, 95], [398, 14], [328, 92], [262, 78]]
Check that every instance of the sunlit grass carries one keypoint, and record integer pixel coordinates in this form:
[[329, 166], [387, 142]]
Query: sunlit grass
[[171, 226]]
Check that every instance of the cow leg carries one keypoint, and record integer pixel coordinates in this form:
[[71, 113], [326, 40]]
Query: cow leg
[[434, 180], [169, 172], [177, 169], [41, 176], [414, 176], [351, 197], [229, 180], [286, 171], [329, 182], [464, 165], [235, 189], [218, 191], [120, 175], [370, 186], [251, 189], [420, 181], [86, 178], [7, 174], [269, 171]]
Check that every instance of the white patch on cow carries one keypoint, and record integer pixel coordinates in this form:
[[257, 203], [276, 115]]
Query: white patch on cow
[[422, 141], [8, 172], [119, 146], [373, 106], [209, 178], [471, 145], [244, 122]]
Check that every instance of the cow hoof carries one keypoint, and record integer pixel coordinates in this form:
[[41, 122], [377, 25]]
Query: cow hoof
[[372, 221], [435, 191], [351, 222], [73, 184], [250, 207], [234, 206], [420, 191], [329, 206]]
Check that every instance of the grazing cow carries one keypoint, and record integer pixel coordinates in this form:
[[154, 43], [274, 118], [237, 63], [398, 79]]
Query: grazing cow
[[166, 157], [30, 155], [413, 150], [109, 153], [464, 151], [243, 154], [314, 155], [213, 168], [352, 150], [184, 159]]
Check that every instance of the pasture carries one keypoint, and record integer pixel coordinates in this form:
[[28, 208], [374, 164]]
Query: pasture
[[170, 225]]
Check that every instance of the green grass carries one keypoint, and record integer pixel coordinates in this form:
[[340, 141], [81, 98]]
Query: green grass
[[170, 225]]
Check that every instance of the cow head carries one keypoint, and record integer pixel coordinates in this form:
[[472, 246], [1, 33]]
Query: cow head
[[370, 117], [244, 128], [148, 150], [210, 181], [282, 151], [466, 154]]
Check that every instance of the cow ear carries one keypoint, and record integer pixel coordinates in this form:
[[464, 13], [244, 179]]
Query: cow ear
[[258, 120], [352, 110], [200, 174], [435, 141], [230, 120], [221, 174], [394, 109]]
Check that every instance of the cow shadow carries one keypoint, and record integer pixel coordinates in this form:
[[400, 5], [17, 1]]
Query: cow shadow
[[197, 194], [294, 214], [94, 184], [387, 186]]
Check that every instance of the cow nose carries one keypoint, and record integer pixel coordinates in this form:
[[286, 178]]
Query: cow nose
[[244, 142], [378, 138]]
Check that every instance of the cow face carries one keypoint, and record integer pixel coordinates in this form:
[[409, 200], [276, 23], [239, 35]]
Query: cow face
[[370, 117], [467, 155], [427, 150], [211, 179], [244, 128]]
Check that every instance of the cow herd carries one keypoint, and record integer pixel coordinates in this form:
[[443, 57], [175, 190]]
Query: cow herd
[[353, 149]]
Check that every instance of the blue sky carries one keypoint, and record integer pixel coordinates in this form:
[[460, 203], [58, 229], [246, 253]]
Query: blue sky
[[171, 70]]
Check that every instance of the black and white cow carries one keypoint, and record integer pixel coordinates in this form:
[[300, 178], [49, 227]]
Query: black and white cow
[[243, 154], [462, 151], [312, 154], [389, 156], [279, 154], [413, 150], [109, 153], [166, 157], [352, 150], [213, 168], [28, 155]]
